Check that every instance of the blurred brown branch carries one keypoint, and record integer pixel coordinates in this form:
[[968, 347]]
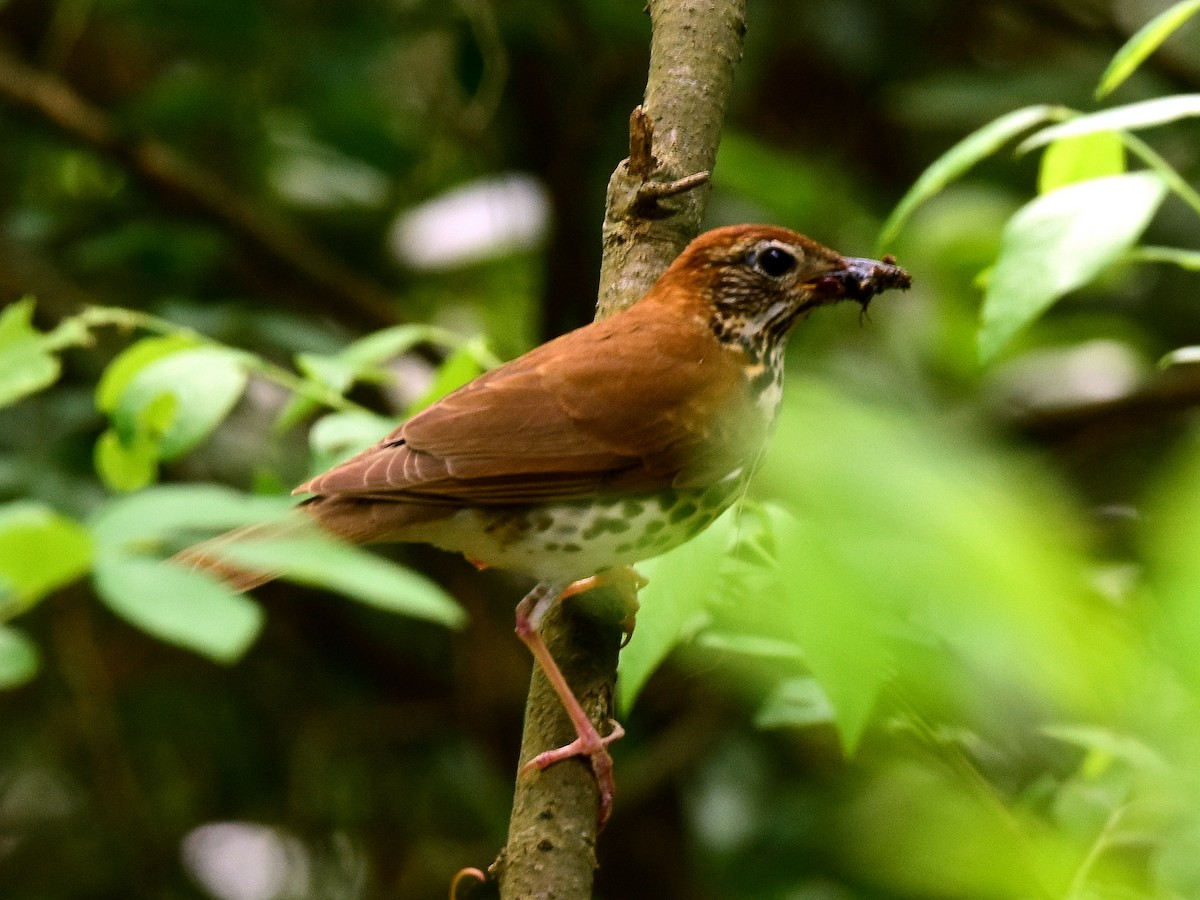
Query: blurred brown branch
[[163, 170], [1096, 421]]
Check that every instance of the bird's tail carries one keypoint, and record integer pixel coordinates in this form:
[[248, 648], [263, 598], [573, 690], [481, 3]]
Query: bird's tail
[[210, 556]]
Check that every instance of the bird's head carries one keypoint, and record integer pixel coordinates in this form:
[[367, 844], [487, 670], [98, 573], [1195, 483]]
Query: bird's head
[[755, 281]]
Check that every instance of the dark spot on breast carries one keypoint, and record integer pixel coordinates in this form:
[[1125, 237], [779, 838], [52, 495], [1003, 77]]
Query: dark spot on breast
[[681, 512], [632, 508], [597, 528]]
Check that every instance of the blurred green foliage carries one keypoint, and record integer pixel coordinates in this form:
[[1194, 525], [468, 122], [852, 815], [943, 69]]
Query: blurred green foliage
[[948, 646]]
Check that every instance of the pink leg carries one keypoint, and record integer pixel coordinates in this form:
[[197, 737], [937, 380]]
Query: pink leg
[[589, 742]]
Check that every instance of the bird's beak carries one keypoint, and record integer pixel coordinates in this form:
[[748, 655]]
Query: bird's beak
[[860, 279]]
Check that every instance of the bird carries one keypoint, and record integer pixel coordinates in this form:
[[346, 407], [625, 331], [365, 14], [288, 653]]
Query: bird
[[606, 446]]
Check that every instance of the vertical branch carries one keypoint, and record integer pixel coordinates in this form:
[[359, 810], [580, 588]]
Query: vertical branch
[[656, 199]]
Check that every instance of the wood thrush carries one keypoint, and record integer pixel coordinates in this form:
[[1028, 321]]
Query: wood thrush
[[606, 446]]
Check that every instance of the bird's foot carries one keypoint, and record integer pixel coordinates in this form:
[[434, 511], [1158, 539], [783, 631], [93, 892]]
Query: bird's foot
[[626, 581], [592, 744]]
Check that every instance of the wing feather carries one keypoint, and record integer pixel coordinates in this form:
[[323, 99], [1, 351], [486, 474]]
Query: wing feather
[[626, 403]]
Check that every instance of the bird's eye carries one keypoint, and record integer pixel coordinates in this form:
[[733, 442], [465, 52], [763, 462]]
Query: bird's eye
[[774, 261]]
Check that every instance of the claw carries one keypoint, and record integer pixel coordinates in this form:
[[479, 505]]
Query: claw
[[594, 746]]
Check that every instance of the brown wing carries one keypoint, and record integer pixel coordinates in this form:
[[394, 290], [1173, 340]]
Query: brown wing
[[623, 404]]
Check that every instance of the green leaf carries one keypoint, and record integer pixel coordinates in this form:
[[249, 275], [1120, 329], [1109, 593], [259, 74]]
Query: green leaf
[[1147, 39], [333, 372], [126, 468], [344, 433], [40, 551], [681, 584], [158, 515], [127, 463], [1059, 242], [842, 648], [205, 382], [911, 551], [19, 658], [1131, 117], [25, 365], [1080, 159], [178, 605], [1171, 542], [133, 359], [311, 558], [956, 161], [364, 356], [388, 343]]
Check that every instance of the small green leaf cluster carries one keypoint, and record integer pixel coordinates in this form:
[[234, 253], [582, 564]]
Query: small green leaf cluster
[[163, 396], [1090, 210]]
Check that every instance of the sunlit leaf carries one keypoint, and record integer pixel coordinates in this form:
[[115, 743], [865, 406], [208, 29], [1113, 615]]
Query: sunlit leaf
[[1171, 541], [334, 372], [133, 359], [40, 550], [906, 536], [956, 161], [920, 832], [1059, 242], [339, 435], [26, 366], [19, 658], [313, 559], [1079, 159], [127, 462], [1132, 117], [1145, 41], [150, 517], [205, 382], [178, 605], [389, 343], [674, 604], [826, 606]]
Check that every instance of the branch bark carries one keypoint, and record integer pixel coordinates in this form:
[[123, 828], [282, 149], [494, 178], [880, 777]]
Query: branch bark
[[656, 200], [166, 172], [695, 47]]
